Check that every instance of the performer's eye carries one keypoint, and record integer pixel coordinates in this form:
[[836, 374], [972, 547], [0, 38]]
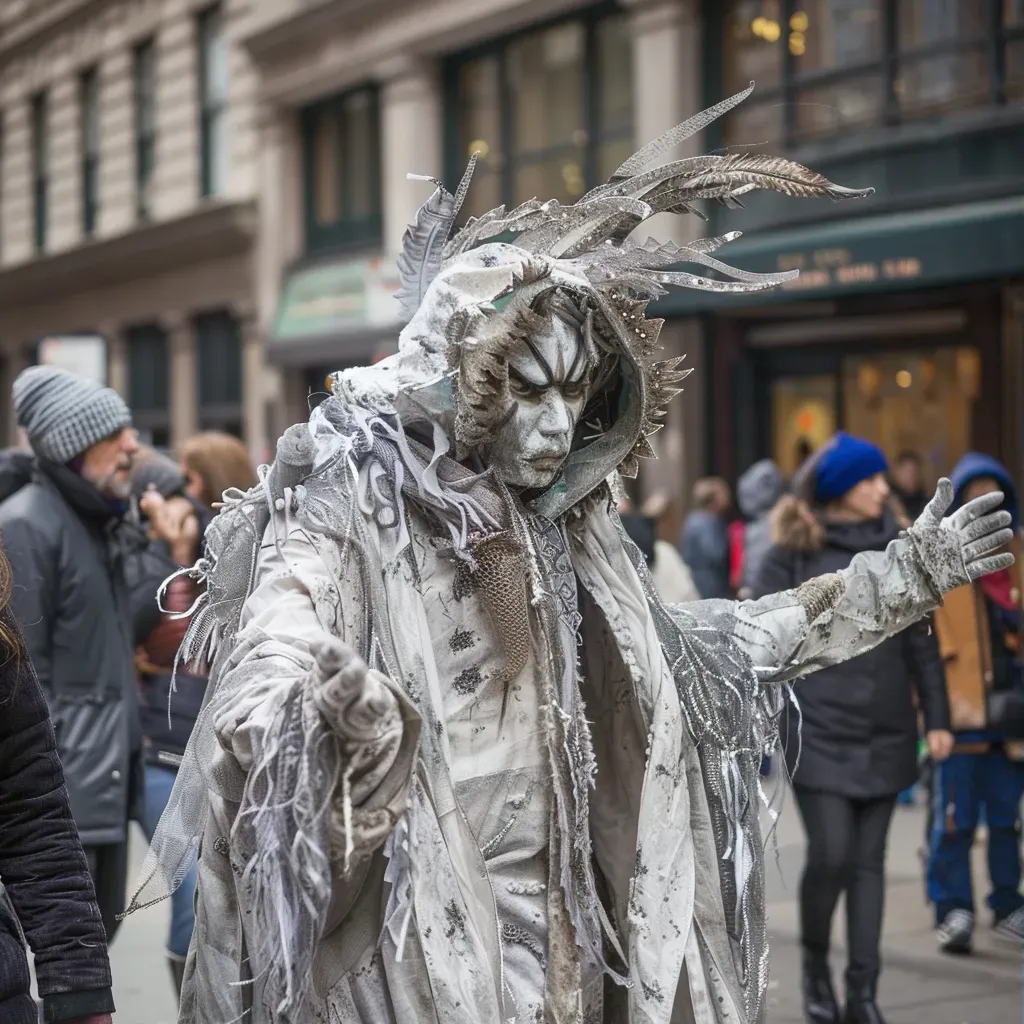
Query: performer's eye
[[574, 390], [521, 388]]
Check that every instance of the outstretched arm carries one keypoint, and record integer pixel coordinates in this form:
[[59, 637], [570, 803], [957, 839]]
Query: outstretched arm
[[321, 749], [298, 690], [835, 617]]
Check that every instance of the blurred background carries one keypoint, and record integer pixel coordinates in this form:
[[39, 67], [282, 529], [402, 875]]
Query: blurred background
[[201, 204], [208, 200]]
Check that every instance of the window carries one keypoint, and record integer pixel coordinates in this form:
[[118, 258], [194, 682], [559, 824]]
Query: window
[[40, 168], [213, 102], [550, 112], [943, 55], [1013, 54], [145, 126], [219, 366], [89, 110], [829, 66], [148, 393], [342, 170]]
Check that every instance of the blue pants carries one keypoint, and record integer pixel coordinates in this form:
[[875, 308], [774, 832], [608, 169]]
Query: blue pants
[[962, 788], [159, 781]]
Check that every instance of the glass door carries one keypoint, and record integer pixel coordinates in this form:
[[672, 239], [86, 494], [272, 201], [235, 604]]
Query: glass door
[[804, 416], [919, 400]]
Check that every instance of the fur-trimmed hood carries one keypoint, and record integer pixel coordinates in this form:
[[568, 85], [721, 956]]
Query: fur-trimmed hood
[[796, 527]]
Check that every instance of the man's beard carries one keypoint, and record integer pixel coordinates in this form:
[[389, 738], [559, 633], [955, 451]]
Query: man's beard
[[111, 486]]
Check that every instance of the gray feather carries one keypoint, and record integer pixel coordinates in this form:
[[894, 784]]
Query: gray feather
[[424, 240], [422, 248], [585, 224], [646, 156], [749, 171]]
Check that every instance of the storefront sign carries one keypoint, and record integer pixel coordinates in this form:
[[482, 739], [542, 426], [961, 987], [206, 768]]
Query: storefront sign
[[920, 248], [83, 354], [337, 298], [830, 268]]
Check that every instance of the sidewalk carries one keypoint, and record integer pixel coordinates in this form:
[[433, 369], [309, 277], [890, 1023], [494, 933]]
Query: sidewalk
[[919, 984]]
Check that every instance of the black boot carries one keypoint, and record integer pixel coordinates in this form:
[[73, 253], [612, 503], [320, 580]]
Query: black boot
[[861, 1007], [820, 1005]]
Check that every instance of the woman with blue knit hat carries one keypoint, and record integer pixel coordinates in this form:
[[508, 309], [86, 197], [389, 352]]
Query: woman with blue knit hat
[[852, 740]]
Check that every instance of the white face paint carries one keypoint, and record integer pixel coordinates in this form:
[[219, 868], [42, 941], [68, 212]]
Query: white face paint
[[547, 380]]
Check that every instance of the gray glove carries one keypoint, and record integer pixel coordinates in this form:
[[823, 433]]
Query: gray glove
[[958, 549]]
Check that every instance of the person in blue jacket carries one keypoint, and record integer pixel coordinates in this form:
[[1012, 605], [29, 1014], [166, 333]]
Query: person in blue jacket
[[979, 633]]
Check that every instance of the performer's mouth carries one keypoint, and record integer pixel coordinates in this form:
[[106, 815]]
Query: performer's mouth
[[547, 462]]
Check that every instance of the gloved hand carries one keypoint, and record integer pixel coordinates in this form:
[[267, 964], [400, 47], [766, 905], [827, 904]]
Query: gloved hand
[[357, 706], [958, 549]]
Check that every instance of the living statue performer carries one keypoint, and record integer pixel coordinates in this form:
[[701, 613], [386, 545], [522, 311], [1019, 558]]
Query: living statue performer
[[458, 763]]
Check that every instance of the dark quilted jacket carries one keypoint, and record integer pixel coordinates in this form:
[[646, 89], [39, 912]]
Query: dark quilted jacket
[[47, 893]]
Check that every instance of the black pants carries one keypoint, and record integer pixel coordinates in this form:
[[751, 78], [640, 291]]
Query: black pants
[[108, 866], [845, 853]]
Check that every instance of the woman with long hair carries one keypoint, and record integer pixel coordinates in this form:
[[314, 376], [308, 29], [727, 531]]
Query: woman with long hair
[[177, 504], [47, 894], [851, 743], [213, 463]]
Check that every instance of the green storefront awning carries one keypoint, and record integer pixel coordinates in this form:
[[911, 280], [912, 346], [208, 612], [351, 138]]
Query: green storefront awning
[[335, 311], [922, 248]]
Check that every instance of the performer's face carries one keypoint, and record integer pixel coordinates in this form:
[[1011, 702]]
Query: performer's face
[[547, 378]]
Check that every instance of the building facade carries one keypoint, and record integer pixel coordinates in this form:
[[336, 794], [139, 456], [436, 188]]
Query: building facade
[[353, 96], [220, 191], [128, 208], [906, 323]]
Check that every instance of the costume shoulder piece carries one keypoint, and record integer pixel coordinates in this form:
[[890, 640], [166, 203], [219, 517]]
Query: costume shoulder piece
[[232, 547]]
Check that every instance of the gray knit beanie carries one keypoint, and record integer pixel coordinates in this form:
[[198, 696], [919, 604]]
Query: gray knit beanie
[[64, 414]]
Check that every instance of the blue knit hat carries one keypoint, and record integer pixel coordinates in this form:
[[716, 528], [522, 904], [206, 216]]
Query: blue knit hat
[[844, 463]]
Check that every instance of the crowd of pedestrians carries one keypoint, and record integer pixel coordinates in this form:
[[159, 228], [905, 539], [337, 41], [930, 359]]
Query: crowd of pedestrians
[[853, 737], [96, 529]]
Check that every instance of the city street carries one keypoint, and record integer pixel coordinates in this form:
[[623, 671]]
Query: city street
[[919, 985]]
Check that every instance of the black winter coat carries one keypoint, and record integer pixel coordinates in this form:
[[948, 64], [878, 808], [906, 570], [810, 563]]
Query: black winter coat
[[46, 884], [859, 724], [67, 550]]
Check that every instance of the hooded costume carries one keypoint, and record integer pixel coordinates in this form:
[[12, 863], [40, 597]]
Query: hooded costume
[[458, 762]]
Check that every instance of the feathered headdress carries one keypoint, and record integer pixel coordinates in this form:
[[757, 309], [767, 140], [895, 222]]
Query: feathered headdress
[[590, 242], [592, 232]]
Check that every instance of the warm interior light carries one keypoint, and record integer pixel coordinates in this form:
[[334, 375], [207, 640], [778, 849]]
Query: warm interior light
[[904, 378], [799, 21], [572, 178], [797, 44], [480, 147], [766, 29]]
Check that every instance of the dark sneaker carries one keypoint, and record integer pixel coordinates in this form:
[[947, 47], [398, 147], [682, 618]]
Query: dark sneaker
[[1011, 927], [956, 932]]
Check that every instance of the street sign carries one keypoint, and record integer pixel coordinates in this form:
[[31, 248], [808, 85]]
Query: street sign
[[84, 354]]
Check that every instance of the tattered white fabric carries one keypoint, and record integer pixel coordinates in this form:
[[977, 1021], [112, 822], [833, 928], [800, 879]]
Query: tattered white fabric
[[457, 760]]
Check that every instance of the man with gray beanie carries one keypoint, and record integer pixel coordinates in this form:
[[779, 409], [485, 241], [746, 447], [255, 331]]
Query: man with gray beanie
[[67, 541]]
